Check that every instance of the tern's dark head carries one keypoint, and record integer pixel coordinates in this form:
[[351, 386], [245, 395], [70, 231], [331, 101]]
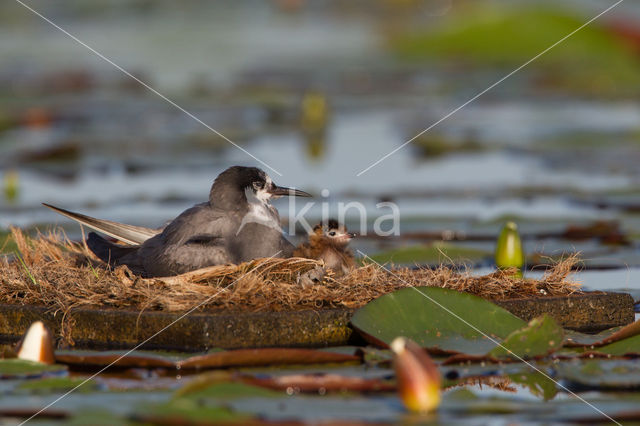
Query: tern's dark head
[[232, 187]]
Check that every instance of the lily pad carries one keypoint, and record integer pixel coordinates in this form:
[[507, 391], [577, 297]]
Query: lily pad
[[207, 398], [465, 370], [188, 411], [436, 253], [599, 374], [576, 339], [329, 409], [120, 358], [225, 390], [19, 368], [95, 417], [57, 384], [630, 346], [537, 383], [267, 356], [375, 356], [540, 337], [441, 320], [213, 359], [606, 337]]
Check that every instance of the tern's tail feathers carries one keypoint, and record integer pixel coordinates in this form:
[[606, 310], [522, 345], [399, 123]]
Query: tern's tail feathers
[[129, 234]]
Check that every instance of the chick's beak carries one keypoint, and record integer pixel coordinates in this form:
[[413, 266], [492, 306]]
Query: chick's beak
[[281, 190]]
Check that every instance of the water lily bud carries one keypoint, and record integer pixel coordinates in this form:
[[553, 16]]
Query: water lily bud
[[509, 253], [37, 345], [417, 375], [315, 112], [11, 184]]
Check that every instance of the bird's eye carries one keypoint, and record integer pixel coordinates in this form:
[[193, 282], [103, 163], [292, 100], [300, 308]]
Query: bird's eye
[[332, 233], [258, 184]]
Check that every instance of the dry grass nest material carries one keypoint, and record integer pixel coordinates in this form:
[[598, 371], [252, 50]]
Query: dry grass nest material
[[50, 270]]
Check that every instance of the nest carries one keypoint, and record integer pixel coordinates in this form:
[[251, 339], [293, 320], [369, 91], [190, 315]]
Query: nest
[[50, 270]]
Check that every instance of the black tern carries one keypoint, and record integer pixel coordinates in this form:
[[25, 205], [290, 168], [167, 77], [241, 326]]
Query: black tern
[[237, 224], [328, 243]]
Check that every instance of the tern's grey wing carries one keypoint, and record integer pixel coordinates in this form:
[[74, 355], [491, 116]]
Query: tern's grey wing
[[129, 234], [195, 239], [198, 224]]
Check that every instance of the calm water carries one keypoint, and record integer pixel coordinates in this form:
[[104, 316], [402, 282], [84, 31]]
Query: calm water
[[546, 160]]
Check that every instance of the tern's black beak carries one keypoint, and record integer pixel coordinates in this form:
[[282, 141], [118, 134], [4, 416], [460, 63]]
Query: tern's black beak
[[281, 190]]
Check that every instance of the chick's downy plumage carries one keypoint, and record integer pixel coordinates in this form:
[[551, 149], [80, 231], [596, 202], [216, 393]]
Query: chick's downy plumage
[[328, 242]]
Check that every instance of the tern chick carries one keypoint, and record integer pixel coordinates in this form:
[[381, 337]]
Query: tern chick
[[328, 242]]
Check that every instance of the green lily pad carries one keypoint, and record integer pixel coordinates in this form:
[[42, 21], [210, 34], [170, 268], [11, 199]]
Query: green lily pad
[[461, 395], [205, 400], [188, 411], [95, 417], [441, 320], [540, 337], [538, 384], [606, 337], [629, 346], [577, 339], [433, 145], [57, 384], [228, 390], [374, 356], [600, 373], [436, 253], [20, 368]]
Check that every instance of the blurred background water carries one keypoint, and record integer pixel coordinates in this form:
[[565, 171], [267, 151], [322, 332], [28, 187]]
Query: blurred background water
[[320, 90]]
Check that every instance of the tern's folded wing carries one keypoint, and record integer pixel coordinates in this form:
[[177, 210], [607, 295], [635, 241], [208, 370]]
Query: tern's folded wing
[[197, 223]]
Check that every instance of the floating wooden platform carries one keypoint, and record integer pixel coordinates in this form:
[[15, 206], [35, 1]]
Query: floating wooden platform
[[117, 329]]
